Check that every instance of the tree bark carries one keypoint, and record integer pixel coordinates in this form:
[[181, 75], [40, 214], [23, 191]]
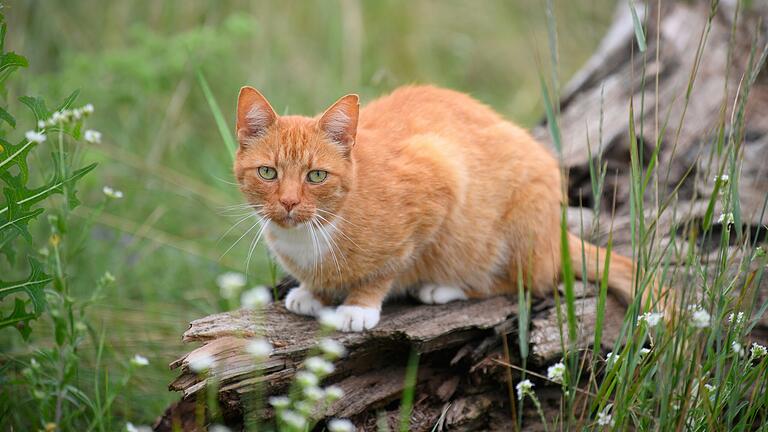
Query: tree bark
[[463, 382]]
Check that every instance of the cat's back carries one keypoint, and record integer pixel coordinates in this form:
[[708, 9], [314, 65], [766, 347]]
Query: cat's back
[[424, 109]]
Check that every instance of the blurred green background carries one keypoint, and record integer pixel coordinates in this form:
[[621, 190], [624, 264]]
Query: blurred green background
[[137, 62]]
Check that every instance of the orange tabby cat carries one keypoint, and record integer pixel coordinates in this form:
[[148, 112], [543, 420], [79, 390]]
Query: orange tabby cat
[[424, 191]]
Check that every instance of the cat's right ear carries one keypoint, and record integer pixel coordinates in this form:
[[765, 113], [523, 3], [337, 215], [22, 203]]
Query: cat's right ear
[[254, 115]]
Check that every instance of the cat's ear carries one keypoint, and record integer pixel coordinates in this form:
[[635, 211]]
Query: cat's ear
[[339, 122], [254, 115]]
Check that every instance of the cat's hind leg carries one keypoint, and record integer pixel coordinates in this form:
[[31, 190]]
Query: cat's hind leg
[[440, 294]]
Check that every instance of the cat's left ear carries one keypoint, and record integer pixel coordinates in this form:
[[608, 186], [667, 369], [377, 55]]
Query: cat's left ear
[[339, 122]]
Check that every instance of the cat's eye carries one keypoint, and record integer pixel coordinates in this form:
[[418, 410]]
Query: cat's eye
[[267, 173], [317, 176]]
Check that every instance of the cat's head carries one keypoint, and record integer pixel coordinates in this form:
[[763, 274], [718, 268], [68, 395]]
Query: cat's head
[[293, 169]]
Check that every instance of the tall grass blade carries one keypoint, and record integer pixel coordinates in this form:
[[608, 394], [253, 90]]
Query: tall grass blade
[[221, 124]]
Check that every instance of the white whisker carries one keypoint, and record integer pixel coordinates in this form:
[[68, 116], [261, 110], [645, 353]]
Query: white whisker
[[243, 219], [253, 245], [244, 234], [338, 230]]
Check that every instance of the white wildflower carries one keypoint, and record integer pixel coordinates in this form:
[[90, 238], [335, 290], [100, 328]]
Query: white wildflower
[[700, 318], [279, 402], [737, 348], [332, 348], [319, 366], [139, 360], [88, 109], [202, 363], [293, 419], [556, 372], [230, 284], [644, 352], [710, 388], [604, 418], [219, 428], [41, 124], [725, 219], [340, 425], [333, 393], [259, 348], [92, 136], [611, 358], [77, 113], [329, 319], [305, 408], [722, 179], [314, 393], [112, 193], [651, 318], [306, 379], [256, 298], [130, 427], [35, 137], [757, 350], [737, 319], [58, 117], [524, 387]]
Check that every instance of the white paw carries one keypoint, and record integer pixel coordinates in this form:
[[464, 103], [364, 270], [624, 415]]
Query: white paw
[[356, 318], [301, 301], [439, 294]]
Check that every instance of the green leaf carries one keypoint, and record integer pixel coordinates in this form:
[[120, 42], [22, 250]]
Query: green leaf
[[37, 105], [68, 101], [11, 60], [224, 131], [5, 115], [32, 287], [639, 34]]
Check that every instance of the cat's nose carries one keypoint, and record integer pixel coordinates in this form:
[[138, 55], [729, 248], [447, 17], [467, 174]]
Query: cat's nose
[[289, 203]]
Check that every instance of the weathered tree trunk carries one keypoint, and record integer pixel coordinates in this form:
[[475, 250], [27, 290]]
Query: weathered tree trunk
[[462, 382]]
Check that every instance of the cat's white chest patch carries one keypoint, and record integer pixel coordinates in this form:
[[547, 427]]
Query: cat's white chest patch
[[302, 245]]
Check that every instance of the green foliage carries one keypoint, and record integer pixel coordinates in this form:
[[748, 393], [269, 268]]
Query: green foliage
[[21, 203]]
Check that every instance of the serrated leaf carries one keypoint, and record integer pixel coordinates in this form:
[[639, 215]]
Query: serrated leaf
[[33, 287], [37, 105], [54, 186], [12, 60]]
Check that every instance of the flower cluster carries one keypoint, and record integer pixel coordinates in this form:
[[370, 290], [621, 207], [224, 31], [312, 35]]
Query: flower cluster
[[230, 284], [757, 351], [260, 349], [201, 363], [736, 318], [139, 360], [604, 417], [699, 317], [296, 412], [725, 219], [651, 318], [256, 298], [524, 388], [112, 193], [556, 373]]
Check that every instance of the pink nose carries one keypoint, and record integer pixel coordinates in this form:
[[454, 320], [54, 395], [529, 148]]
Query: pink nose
[[289, 203]]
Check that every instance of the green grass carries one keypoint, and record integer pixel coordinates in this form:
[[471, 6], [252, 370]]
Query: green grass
[[138, 63]]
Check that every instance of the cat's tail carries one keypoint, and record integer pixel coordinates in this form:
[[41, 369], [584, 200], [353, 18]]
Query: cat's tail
[[621, 272]]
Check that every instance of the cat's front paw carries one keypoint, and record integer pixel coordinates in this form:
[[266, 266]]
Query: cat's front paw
[[440, 294], [301, 301], [356, 318]]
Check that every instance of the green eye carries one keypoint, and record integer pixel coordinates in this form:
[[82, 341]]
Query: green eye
[[317, 176], [267, 173]]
